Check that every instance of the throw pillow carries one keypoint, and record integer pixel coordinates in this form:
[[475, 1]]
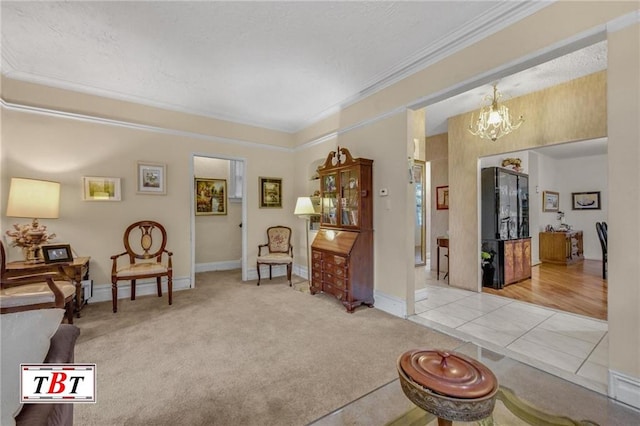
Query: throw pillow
[[25, 339]]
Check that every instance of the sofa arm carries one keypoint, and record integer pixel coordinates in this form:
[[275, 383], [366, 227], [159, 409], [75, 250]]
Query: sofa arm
[[61, 351]]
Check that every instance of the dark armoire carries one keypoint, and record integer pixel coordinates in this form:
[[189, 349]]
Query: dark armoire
[[505, 225]]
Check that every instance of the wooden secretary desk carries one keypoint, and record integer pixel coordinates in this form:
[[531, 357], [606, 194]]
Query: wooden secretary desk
[[342, 251]]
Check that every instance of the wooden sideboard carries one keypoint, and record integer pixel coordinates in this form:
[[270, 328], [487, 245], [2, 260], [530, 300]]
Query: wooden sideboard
[[561, 247]]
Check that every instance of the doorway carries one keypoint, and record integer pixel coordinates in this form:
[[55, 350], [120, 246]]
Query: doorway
[[218, 230]]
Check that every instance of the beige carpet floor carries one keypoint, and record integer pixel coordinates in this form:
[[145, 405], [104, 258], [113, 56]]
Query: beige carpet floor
[[232, 353]]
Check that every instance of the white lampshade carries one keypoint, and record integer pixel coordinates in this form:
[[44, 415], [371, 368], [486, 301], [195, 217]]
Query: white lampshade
[[304, 206], [31, 198]]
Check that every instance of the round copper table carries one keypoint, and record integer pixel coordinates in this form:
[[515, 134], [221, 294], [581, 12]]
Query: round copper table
[[450, 385]]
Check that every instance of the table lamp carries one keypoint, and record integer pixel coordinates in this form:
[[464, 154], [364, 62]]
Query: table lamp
[[304, 209], [35, 199]]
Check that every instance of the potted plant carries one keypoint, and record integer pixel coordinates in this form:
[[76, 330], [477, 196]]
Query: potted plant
[[488, 270]]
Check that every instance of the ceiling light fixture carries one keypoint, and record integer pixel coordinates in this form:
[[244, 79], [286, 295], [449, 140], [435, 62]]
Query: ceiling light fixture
[[494, 120]]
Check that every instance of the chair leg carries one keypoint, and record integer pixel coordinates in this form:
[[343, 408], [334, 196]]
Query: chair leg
[[258, 268], [69, 308], [159, 285], [133, 289], [269, 272], [289, 267], [114, 296], [170, 289]]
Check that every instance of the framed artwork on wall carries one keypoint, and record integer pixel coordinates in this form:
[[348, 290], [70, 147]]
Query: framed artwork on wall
[[101, 188], [210, 196], [270, 192], [585, 200], [442, 197], [550, 201], [152, 178]]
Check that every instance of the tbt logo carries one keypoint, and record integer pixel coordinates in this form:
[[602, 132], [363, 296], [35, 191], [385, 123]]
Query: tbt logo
[[57, 383]]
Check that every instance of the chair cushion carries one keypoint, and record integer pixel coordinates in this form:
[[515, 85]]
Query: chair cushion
[[275, 258], [33, 294], [25, 339], [141, 269]]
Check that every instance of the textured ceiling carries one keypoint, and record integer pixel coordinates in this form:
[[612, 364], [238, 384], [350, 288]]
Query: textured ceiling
[[280, 65]]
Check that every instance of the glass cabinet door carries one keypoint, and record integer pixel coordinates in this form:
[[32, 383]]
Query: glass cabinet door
[[329, 202], [349, 196]]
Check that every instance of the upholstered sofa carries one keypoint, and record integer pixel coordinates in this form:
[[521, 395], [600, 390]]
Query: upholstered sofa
[[60, 352]]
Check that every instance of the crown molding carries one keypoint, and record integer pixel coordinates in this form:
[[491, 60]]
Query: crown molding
[[136, 126], [623, 21]]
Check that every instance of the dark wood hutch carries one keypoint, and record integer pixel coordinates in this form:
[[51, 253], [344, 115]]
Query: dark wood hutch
[[342, 252]]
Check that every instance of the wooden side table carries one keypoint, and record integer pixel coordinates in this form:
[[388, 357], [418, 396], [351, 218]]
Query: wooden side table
[[77, 271]]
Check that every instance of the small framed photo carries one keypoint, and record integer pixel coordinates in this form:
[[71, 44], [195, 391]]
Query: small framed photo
[[270, 192], [152, 178], [101, 189], [442, 197], [550, 201], [55, 253], [585, 200], [211, 196]]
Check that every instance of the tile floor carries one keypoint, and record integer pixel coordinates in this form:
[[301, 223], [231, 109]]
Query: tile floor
[[570, 346]]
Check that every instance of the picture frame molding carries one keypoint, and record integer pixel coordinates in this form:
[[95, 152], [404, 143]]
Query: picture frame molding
[[145, 171], [576, 196], [547, 196], [268, 204], [50, 257], [89, 181], [199, 201], [442, 197]]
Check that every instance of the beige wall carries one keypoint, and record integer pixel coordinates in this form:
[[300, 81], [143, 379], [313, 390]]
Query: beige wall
[[624, 201]]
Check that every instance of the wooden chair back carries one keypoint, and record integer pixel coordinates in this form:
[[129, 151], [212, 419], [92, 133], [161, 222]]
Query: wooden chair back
[[145, 239]]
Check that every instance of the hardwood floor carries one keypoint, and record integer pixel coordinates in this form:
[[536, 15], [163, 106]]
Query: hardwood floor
[[577, 288]]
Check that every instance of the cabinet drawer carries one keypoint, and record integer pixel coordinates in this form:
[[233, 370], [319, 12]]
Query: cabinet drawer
[[338, 293], [316, 284], [316, 255], [338, 271], [333, 280], [332, 259]]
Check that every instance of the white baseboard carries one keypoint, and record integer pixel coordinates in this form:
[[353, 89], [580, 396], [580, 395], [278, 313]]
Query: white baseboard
[[624, 388], [218, 266], [390, 304], [102, 292]]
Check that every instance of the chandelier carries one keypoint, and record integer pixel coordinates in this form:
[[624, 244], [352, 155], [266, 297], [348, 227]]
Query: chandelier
[[494, 120]]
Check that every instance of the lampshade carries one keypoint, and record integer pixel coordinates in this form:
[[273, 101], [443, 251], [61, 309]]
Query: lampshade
[[304, 206], [31, 198]]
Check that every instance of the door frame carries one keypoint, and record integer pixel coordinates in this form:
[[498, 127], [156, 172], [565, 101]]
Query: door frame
[[192, 221]]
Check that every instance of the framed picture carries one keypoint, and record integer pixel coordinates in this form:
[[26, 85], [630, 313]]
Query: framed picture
[[152, 178], [211, 196], [585, 200], [550, 201], [270, 192], [100, 188], [55, 253], [442, 197]]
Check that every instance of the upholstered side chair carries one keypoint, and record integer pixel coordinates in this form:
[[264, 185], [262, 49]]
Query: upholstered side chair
[[36, 287], [277, 251], [146, 257]]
